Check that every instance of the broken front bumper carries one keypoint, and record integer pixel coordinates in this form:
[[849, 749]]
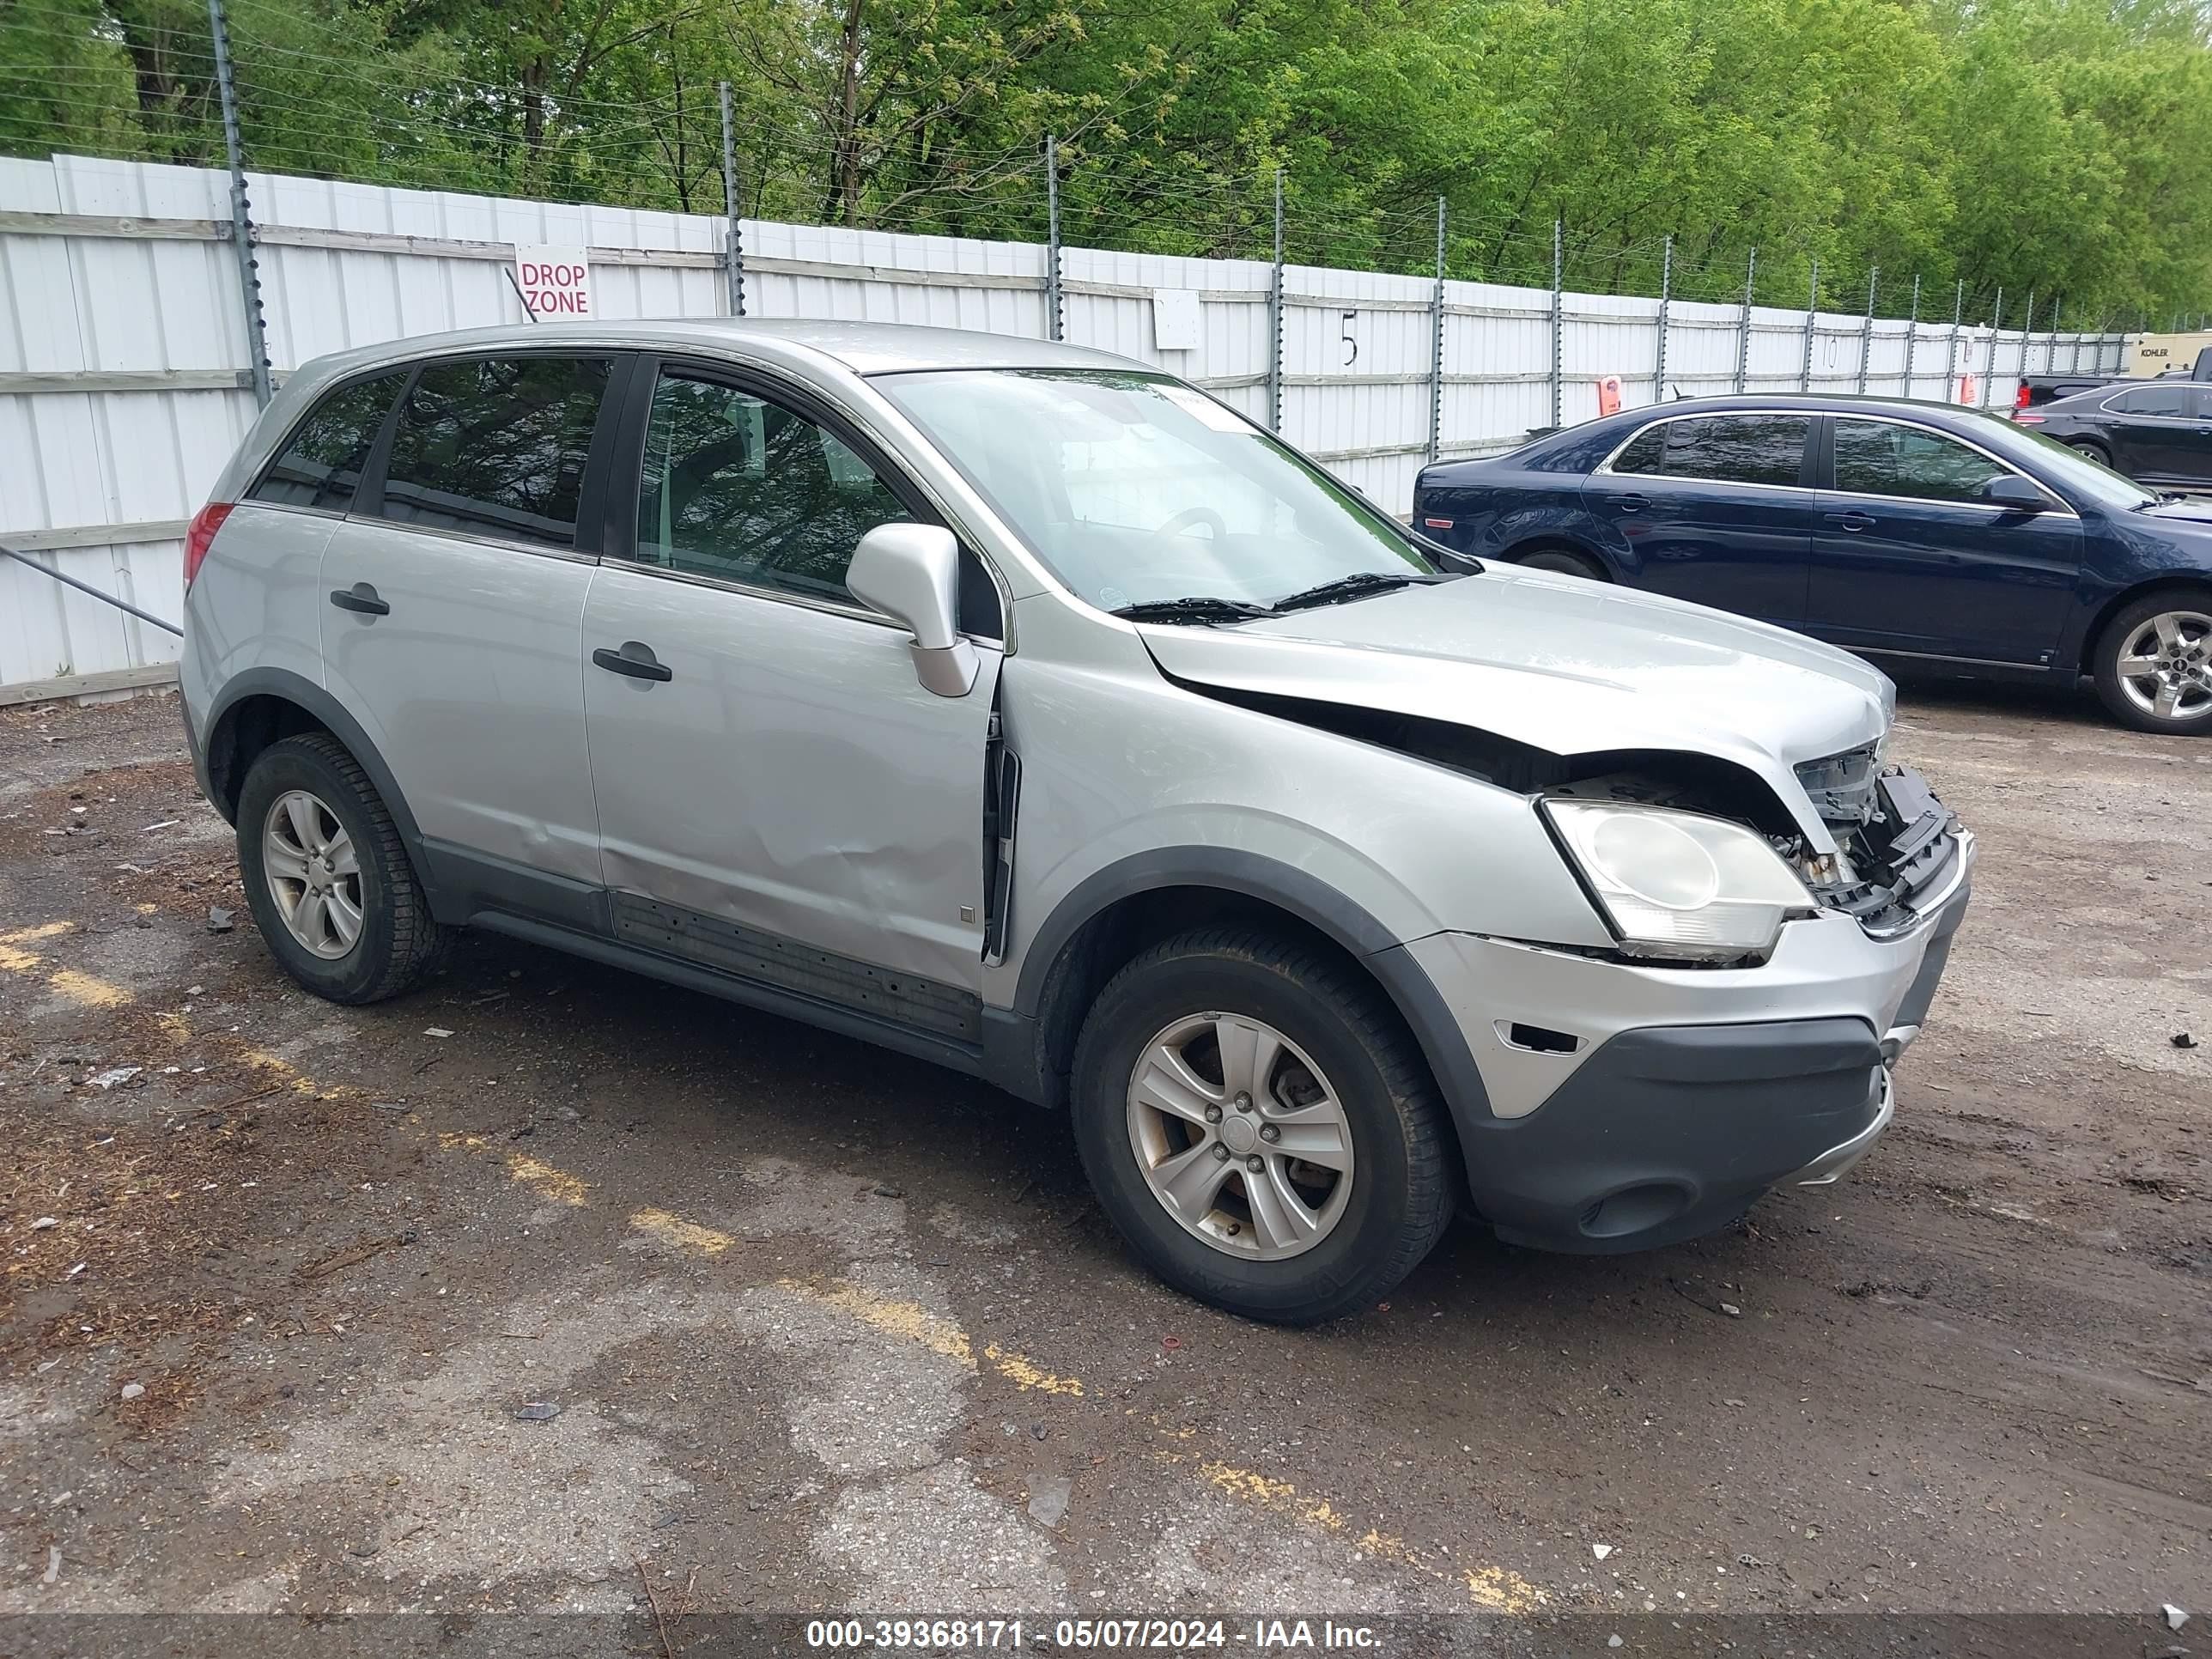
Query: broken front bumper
[[1685, 1094]]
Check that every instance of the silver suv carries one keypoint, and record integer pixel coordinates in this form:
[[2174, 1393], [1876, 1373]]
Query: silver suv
[[1025, 708]]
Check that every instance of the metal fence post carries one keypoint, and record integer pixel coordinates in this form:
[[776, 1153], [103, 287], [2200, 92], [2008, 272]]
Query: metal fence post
[[1812, 316], [1558, 285], [1436, 344], [241, 215], [1052, 323], [1275, 319], [1951, 356], [1743, 321], [2051, 338], [1866, 329], [733, 240], [1912, 334], [1666, 293], [1989, 370]]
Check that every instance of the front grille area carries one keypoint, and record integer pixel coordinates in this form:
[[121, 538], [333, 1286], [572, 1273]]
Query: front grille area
[[1899, 840]]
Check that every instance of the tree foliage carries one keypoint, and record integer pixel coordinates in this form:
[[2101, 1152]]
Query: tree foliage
[[2051, 145]]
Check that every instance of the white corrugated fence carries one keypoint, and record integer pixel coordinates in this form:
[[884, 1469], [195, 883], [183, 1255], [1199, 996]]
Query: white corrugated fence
[[124, 383]]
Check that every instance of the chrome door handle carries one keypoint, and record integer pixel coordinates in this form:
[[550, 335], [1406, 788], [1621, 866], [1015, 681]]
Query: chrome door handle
[[1631, 503], [1854, 519], [636, 660]]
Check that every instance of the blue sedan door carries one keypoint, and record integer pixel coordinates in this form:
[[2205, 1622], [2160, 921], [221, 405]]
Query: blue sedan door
[[1908, 557], [1714, 508]]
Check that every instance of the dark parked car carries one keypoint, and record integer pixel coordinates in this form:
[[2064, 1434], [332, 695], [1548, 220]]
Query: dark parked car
[[2035, 390], [2157, 432], [1910, 532]]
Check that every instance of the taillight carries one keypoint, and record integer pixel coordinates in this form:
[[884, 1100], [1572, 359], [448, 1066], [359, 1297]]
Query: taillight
[[2020, 398], [199, 536], [2029, 420]]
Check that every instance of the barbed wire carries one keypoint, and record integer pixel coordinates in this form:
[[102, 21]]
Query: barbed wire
[[357, 106]]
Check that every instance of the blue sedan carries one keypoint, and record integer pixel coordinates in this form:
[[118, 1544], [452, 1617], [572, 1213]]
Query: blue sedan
[[1911, 532]]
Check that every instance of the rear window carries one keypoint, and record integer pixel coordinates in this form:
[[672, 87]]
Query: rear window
[[1767, 449], [496, 446], [321, 467]]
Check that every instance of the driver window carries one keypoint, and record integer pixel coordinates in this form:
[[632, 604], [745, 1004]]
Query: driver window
[[1876, 458], [744, 490]]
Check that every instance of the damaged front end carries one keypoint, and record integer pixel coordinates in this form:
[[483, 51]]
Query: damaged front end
[[1899, 851]]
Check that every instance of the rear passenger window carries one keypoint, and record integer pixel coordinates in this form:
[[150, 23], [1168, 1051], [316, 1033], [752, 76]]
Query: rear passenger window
[[496, 446], [1646, 452], [321, 465], [1765, 449]]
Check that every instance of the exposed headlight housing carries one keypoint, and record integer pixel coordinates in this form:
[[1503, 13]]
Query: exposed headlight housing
[[1678, 886]]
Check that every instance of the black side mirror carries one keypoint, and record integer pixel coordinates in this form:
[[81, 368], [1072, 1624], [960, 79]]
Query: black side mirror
[[2015, 493]]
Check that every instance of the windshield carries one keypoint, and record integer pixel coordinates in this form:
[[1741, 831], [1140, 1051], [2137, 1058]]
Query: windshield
[[2075, 473], [1135, 490]]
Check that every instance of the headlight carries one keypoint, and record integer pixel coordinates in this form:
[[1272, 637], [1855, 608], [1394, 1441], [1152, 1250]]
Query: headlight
[[1679, 885]]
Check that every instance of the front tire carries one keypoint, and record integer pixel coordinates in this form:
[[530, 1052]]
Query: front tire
[[2154, 664], [327, 877], [1566, 564], [1261, 1127]]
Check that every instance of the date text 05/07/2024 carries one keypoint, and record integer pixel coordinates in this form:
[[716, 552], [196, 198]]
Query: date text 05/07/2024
[[1112, 1635]]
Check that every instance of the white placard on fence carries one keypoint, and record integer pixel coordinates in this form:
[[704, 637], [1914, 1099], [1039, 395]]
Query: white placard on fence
[[554, 282], [1178, 321]]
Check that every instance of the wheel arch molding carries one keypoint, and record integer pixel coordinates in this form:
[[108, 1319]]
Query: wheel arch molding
[[222, 769], [1057, 981], [2080, 653]]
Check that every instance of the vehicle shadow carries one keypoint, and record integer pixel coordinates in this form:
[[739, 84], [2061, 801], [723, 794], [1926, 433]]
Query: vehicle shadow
[[732, 1083], [2059, 701]]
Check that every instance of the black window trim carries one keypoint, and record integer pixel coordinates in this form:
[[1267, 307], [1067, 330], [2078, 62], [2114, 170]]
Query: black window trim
[[618, 532], [1805, 454], [401, 373], [2059, 506], [368, 497]]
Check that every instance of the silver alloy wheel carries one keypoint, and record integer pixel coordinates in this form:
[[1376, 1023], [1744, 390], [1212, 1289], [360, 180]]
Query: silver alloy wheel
[[2166, 666], [1240, 1137], [313, 873]]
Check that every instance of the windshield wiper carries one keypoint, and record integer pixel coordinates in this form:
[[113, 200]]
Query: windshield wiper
[[1202, 608], [1357, 586]]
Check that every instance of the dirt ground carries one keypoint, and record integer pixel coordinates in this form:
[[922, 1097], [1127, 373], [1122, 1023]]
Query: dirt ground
[[548, 1285]]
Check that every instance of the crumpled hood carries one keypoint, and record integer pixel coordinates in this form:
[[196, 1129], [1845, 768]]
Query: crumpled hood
[[1564, 664]]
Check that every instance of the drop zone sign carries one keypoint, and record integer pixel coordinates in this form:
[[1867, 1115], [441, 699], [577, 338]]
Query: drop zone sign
[[554, 283]]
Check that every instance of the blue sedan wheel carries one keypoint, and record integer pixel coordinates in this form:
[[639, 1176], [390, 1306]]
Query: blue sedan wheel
[[2154, 664]]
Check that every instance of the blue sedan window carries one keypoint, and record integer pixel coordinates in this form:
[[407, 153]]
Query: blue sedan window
[[1765, 449], [1879, 458]]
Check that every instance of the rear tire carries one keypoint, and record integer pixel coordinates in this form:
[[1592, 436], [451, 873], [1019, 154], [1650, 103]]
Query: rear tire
[[2095, 451], [369, 890], [2156, 649], [1347, 1084], [1566, 564]]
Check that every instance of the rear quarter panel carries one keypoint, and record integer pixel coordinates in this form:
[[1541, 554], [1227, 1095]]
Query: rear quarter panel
[[254, 603], [1493, 511]]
